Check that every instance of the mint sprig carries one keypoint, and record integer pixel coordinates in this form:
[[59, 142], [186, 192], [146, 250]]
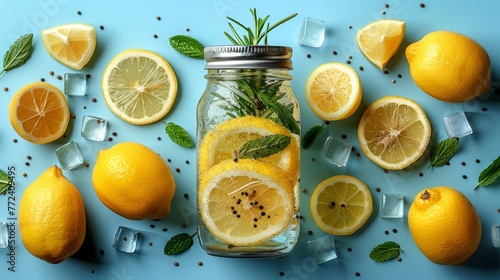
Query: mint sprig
[[264, 146], [18, 53], [4, 181], [178, 135], [187, 46], [178, 244], [444, 151], [385, 251], [490, 174]]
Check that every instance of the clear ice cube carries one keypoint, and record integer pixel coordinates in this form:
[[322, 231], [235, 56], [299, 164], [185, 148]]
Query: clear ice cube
[[75, 84], [336, 151], [94, 128], [323, 249], [392, 206], [495, 235], [457, 125], [126, 239], [69, 156], [312, 32], [4, 235]]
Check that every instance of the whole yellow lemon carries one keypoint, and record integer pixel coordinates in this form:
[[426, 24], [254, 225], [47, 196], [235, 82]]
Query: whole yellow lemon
[[133, 181], [449, 66], [444, 225], [52, 220]]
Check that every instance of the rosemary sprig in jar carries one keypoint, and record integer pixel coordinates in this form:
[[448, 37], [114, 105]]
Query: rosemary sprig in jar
[[251, 97], [254, 36]]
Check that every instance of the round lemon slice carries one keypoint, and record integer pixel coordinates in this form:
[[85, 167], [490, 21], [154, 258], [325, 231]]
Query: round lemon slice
[[333, 91], [341, 205], [139, 86], [71, 44], [39, 113], [246, 202], [394, 132], [379, 41], [222, 142]]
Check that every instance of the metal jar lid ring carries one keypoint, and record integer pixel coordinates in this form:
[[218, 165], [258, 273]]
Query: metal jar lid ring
[[248, 57]]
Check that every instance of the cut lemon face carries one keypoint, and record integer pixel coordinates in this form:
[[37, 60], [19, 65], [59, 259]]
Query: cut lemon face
[[226, 139], [341, 205], [394, 132], [39, 113], [333, 91], [380, 40], [246, 202], [139, 86], [71, 44]]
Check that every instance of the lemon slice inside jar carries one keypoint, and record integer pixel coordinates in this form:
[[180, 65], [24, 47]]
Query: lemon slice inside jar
[[246, 202]]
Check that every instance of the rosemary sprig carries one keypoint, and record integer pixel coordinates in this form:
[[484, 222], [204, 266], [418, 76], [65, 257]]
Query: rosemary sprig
[[260, 31], [246, 101], [252, 96]]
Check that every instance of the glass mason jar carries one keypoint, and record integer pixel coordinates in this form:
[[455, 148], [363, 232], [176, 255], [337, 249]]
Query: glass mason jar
[[248, 135]]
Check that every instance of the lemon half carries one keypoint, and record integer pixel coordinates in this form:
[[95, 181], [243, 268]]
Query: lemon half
[[333, 91], [39, 113]]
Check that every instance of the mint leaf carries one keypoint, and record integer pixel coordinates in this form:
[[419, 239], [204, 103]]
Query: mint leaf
[[178, 135], [385, 251], [18, 53], [444, 151], [4, 181], [178, 244], [312, 135], [187, 46], [283, 113], [490, 174], [264, 146]]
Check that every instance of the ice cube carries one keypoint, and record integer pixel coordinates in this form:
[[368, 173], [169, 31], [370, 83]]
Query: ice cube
[[495, 235], [4, 235], [392, 206], [69, 156], [457, 125], [323, 249], [312, 32], [126, 239], [94, 128], [75, 84], [336, 151]]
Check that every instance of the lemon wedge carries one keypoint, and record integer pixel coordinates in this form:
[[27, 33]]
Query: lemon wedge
[[379, 41], [72, 45]]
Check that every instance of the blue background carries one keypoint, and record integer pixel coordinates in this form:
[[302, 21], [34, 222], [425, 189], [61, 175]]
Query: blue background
[[132, 24]]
